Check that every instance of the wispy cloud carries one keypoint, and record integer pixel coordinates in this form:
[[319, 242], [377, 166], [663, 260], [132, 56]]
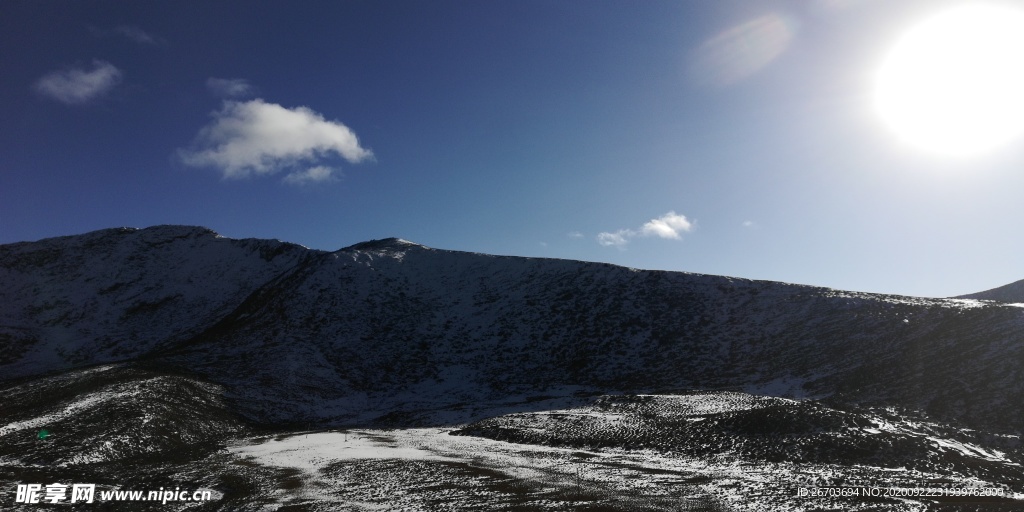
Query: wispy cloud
[[260, 138], [742, 50], [318, 174], [669, 226], [230, 87], [130, 32], [617, 239], [138, 35], [574, 234], [78, 85]]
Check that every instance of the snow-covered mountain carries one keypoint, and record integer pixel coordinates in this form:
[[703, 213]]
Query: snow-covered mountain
[[118, 294], [173, 357], [392, 331]]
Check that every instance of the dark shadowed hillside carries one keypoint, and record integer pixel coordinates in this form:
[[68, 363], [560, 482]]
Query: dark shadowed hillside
[[391, 330]]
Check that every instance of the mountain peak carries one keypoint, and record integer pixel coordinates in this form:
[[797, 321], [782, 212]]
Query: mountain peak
[[384, 244], [176, 231]]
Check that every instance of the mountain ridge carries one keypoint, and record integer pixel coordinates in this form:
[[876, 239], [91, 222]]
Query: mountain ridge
[[389, 326]]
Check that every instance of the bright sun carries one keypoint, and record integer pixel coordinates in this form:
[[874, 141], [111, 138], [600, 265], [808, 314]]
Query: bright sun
[[954, 84]]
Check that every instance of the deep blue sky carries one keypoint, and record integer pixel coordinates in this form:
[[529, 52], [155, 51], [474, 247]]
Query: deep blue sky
[[723, 137]]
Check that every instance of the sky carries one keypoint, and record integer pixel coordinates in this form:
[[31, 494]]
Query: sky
[[738, 138]]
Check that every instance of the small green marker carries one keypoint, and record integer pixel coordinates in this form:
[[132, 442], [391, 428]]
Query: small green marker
[[43, 434]]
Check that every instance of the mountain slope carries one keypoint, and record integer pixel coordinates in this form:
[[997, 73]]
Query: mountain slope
[[120, 293], [392, 331], [1010, 293]]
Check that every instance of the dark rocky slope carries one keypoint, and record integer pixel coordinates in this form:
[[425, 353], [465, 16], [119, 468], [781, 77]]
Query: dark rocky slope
[[397, 330]]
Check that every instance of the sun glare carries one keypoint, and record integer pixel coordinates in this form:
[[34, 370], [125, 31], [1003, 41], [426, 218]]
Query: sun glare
[[954, 84]]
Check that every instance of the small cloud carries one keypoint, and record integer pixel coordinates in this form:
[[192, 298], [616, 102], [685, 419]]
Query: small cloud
[[259, 138], [77, 85], [669, 226], [748, 224], [138, 35], [230, 87], [318, 174], [574, 234], [617, 239]]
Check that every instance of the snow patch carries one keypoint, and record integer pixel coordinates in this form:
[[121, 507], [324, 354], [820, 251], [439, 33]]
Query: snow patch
[[313, 451]]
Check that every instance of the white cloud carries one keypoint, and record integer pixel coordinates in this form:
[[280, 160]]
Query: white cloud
[[75, 86], [318, 174], [574, 234], [230, 87], [669, 226], [255, 137], [748, 224], [617, 239]]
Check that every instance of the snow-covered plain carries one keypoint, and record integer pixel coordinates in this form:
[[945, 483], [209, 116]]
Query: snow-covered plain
[[531, 476], [432, 469], [428, 469]]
